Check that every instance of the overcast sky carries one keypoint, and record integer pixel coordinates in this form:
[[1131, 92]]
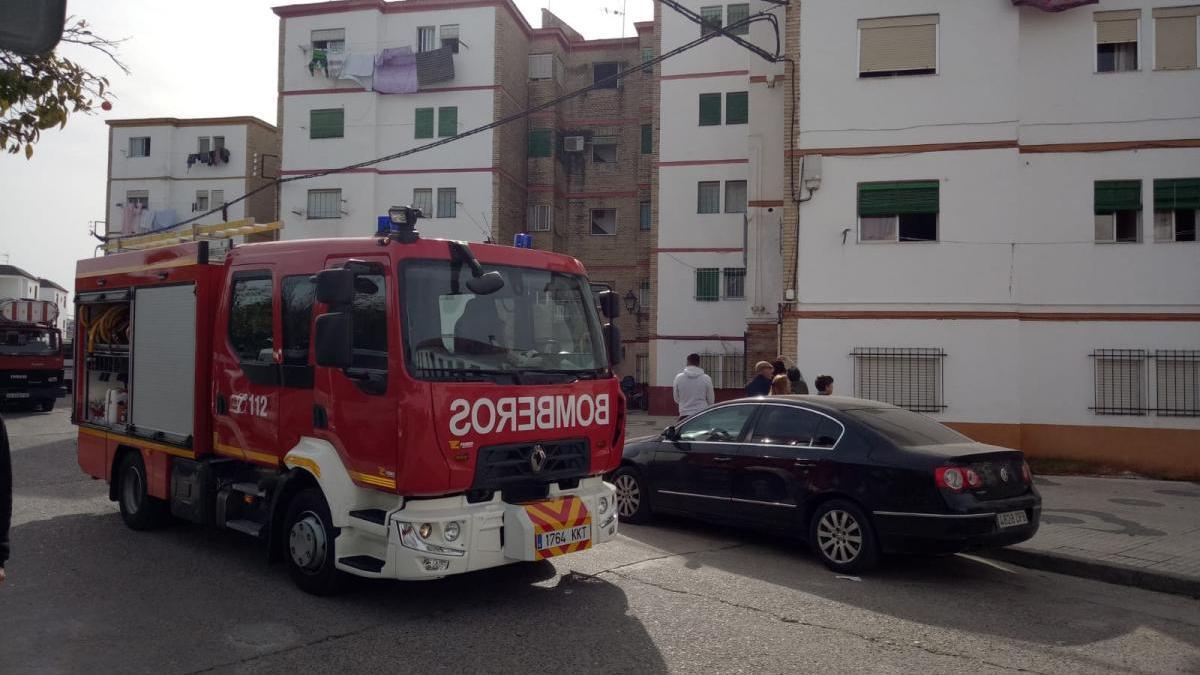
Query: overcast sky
[[189, 58]]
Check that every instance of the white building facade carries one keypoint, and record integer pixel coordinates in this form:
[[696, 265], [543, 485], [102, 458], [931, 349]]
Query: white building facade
[[60, 297]]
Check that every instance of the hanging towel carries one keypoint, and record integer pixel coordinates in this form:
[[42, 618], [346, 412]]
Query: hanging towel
[[131, 219], [360, 68], [396, 71], [435, 66], [336, 61]]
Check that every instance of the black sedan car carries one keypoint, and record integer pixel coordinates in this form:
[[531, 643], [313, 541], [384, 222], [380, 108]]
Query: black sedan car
[[854, 478]]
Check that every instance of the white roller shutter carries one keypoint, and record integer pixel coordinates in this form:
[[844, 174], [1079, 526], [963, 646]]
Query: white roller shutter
[[164, 359]]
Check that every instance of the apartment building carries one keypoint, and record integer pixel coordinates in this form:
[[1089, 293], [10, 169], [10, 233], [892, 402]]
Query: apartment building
[[577, 176], [163, 171], [52, 292], [17, 284], [988, 216]]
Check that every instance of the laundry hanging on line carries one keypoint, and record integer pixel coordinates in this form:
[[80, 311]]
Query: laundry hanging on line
[[360, 68], [436, 65], [396, 71]]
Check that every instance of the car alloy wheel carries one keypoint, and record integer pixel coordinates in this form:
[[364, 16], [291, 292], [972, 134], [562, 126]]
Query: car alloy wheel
[[839, 536], [629, 495]]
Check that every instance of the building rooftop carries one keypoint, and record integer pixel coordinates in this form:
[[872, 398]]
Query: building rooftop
[[14, 271], [46, 283], [190, 122]]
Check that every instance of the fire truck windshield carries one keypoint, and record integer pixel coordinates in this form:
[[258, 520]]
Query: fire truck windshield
[[541, 323], [28, 341]]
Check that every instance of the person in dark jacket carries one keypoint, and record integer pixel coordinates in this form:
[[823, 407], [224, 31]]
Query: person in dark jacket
[[5, 497], [824, 385], [799, 386], [761, 384]]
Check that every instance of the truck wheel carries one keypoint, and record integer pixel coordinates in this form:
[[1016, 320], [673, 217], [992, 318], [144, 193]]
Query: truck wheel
[[309, 542], [139, 510]]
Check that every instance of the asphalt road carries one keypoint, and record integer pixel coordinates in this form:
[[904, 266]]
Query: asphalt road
[[85, 594]]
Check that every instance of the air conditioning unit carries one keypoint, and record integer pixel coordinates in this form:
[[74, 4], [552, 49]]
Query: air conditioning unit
[[573, 144]]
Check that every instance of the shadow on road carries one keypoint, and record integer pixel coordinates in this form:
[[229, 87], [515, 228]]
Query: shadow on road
[[85, 593]]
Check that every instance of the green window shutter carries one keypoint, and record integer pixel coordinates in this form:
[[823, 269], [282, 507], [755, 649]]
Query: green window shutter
[[737, 107], [1118, 195], [891, 199], [326, 123], [1177, 194], [710, 110], [424, 123], [540, 143], [448, 121], [647, 139], [708, 284]]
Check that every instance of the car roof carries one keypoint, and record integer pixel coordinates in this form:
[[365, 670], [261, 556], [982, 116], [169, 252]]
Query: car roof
[[827, 403]]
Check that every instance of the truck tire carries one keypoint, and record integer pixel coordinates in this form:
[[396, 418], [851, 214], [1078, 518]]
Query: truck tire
[[139, 510], [309, 543]]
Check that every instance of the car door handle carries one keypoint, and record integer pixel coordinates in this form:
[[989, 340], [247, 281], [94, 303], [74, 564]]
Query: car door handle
[[806, 465], [722, 459]]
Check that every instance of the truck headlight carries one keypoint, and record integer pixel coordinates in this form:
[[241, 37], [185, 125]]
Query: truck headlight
[[410, 537], [425, 530], [452, 531]]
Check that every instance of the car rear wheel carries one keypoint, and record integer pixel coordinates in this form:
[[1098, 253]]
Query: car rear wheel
[[631, 495], [842, 537]]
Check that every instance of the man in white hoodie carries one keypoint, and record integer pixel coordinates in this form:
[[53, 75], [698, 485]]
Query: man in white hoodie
[[693, 389]]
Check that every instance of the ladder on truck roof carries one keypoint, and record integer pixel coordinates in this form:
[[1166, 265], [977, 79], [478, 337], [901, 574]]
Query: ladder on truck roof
[[186, 233]]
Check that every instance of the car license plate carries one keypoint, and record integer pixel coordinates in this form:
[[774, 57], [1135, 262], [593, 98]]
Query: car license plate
[[1012, 519], [565, 537], [17, 394]]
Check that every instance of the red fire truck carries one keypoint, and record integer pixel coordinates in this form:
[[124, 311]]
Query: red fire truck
[[31, 360], [387, 407]]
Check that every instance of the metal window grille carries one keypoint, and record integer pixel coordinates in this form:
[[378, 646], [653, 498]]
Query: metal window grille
[[139, 146], [711, 19], [423, 200], [739, 12], [708, 197], [909, 377], [447, 206], [324, 204], [540, 217], [138, 197], [218, 198], [201, 201], [641, 369], [1177, 382], [426, 38], [735, 283], [724, 369], [1120, 381]]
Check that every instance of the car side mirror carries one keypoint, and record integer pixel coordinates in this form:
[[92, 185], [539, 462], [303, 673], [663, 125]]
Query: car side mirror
[[671, 433], [610, 304], [612, 341], [334, 340], [335, 288]]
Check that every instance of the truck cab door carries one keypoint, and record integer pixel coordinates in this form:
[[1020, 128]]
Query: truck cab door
[[246, 372]]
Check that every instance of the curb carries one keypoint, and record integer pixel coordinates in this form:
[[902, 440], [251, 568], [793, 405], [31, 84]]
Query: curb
[[1100, 571]]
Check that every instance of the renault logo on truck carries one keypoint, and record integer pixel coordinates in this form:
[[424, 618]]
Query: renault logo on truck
[[528, 413], [537, 459]]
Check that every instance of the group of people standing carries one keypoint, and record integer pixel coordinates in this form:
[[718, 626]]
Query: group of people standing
[[693, 388]]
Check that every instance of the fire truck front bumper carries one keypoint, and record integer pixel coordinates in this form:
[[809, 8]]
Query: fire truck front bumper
[[433, 538]]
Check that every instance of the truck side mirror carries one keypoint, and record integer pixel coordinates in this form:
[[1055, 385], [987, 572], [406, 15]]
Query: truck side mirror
[[610, 304], [334, 339], [612, 340], [335, 288]]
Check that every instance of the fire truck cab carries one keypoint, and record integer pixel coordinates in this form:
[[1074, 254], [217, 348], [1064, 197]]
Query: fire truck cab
[[31, 359], [388, 406]]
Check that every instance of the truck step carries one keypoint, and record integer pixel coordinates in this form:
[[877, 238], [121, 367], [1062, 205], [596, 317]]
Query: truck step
[[250, 527], [249, 489], [365, 563], [376, 516]]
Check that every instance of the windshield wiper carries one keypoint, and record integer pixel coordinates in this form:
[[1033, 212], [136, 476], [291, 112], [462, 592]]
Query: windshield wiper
[[583, 374], [468, 374]]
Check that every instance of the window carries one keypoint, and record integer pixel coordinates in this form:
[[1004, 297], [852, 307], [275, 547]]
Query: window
[[251, 317], [708, 284], [1120, 381], [449, 35], [641, 369], [644, 294], [905, 45], [1175, 37], [1176, 206], [138, 198], [735, 196], [902, 212], [604, 221], [736, 13], [735, 283], [905, 428], [710, 19], [370, 340], [1177, 382], [423, 200], [604, 75], [203, 144], [447, 206], [723, 425], [217, 198], [708, 196], [1117, 40], [644, 216], [648, 55], [541, 66], [710, 110], [541, 217], [541, 143], [907, 377], [423, 123], [647, 139], [737, 107], [218, 142], [324, 204], [604, 150], [298, 293], [201, 203], [426, 38], [330, 123], [796, 427], [447, 121], [1118, 206], [139, 146], [329, 39], [726, 370]]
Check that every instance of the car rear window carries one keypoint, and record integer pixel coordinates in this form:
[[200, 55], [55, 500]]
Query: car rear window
[[906, 428]]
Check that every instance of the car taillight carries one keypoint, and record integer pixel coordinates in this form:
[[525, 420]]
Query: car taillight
[[949, 478], [973, 479], [1026, 474]]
